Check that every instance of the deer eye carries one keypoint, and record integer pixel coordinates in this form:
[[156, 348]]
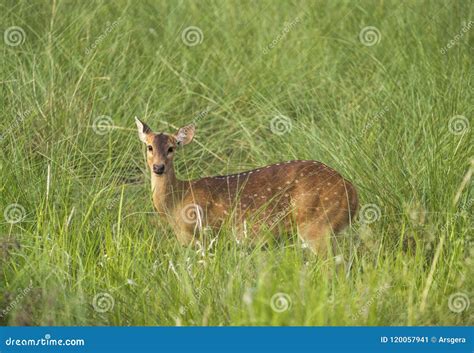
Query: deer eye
[[150, 148], [170, 150]]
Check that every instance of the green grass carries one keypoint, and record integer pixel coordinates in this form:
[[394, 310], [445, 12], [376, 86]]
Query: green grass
[[379, 114]]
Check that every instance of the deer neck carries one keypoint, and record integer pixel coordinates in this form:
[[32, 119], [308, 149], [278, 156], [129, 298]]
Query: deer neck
[[167, 190]]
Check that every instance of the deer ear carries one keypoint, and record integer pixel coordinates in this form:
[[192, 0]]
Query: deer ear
[[185, 134], [143, 130]]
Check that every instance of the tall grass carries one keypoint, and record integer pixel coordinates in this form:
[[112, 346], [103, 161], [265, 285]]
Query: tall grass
[[87, 248]]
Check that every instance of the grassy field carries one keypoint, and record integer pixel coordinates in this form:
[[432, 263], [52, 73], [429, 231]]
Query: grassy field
[[380, 91]]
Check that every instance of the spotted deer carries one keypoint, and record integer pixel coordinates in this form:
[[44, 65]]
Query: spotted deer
[[308, 194]]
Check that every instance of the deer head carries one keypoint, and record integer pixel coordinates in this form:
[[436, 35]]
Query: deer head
[[161, 147]]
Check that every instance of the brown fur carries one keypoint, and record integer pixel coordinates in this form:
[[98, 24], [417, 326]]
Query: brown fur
[[314, 197]]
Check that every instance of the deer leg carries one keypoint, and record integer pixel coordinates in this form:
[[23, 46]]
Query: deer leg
[[317, 235], [185, 238], [187, 234], [188, 224]]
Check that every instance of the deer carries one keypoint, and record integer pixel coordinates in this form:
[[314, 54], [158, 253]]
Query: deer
[[303, 193]]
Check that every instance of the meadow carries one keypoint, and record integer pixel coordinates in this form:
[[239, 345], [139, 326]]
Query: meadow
[[379, 91]]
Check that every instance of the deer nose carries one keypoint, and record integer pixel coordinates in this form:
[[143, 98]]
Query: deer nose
[[158, 168]]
